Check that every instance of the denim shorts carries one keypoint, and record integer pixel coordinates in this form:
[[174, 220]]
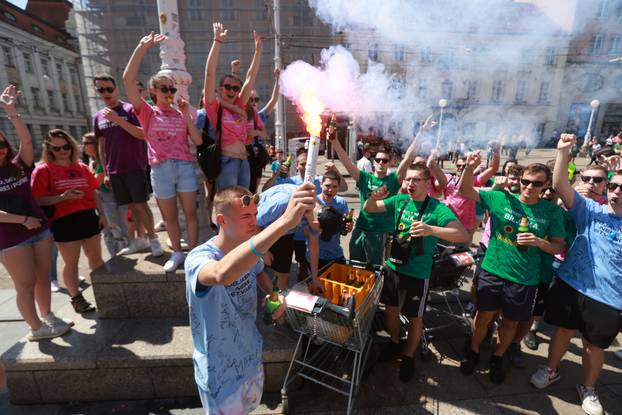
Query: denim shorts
[[173, 176], [32, 240]]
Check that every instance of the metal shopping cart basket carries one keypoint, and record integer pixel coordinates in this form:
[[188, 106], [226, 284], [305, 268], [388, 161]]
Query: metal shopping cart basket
[[340, 321]]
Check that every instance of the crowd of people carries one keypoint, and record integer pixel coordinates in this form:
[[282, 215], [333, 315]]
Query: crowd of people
[[551, 247]]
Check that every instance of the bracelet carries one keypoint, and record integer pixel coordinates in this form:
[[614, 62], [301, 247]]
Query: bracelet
[[25, 220], [12, 117], [254, 250], [218, 40]]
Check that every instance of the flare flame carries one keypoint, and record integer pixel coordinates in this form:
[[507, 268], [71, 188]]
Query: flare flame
[[312, 108]]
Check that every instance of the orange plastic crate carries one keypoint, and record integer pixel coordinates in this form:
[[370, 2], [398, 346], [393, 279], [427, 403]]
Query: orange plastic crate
[[335, 279]]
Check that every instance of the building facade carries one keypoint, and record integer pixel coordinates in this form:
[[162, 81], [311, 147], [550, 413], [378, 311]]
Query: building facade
[[37, 56]]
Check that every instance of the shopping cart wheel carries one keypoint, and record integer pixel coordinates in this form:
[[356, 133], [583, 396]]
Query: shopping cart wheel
[[284, 402], [425, 353]]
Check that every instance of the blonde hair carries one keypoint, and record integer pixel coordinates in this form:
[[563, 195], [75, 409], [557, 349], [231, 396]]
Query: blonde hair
[[224, 197], [47, 155], [154, 81]]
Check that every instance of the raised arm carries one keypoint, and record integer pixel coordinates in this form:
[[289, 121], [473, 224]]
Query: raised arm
[[440, 180], [8, 99], [375, 202], [134, 130], [465, 185], [493, 168], [193, 132], [560, 172], [251, 75], [343, 157], [131, 69], [209, 85], [276, 90], [414, 147]]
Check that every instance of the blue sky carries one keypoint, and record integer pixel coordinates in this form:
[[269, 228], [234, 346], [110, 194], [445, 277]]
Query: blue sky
[[19, 3]]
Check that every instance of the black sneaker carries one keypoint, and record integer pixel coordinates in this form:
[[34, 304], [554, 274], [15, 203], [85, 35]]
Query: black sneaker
[[489, 340], [407, 369], [468, 365], [389, 351], [531, 340], [497, 371], [80, 305]]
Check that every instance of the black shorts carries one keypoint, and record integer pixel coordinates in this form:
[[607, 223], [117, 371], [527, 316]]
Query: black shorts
[[515, 300], [409, 292], [541, 300], [282, 251], [300, 251], [76, 226], [598, 323], [130, 187]]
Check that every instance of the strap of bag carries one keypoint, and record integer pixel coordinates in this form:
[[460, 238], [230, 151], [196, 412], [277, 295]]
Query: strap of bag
[[218, 126], [419, 216]]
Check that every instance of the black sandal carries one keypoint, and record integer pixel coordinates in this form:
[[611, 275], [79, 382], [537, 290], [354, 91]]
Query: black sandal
[[80, 305]]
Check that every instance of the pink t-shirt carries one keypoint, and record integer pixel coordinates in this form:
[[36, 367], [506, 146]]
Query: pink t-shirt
[[256, 121], [234, 126], [463, 208], [166, 133]]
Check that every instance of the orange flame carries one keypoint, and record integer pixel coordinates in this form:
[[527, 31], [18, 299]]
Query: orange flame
[[312, 108]]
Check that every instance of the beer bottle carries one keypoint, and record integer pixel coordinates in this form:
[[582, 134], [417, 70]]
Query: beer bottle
[[345, 297], [351, 279], [336, 294], [417, 244], [523, 228], [346, 220], [287, 163], [272, 303], [360, 280]]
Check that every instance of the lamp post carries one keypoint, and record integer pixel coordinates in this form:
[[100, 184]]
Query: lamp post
[[279, 130], [442, 103], [588, 134]]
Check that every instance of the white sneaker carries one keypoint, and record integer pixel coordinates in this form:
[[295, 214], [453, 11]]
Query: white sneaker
[[134, 246], [81, 278], [543, 377], [55, 321], [54, 286], [156, 248], [160, 226], [618, 354], [175, 261], [142, 243], [46, 331], [589, 400], [182, 243]]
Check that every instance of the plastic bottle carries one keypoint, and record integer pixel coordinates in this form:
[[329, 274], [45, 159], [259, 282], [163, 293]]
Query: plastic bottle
[[523, 228], [272, 303]]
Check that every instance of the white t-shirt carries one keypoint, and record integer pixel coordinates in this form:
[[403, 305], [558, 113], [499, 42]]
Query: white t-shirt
[[365, 165]]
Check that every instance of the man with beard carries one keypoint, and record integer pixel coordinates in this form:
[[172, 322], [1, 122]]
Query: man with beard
[[420, 220], [510, 270], [587, 292]]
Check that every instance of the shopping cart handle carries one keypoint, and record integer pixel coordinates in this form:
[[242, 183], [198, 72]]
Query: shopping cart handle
[[362, 265]]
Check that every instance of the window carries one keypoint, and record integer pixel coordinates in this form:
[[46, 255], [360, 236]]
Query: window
[[65, 98], [9, 16], [52, 100], [372, 51], [135, 20], [78, 102], [36, 97], [228, 10], [28, 63], [347, 45], [45, 129], [9, 60], [398, 53], [521, 90], [602, 6], [422, 88], [196, 15], [73, 130], [72, 76], [471, 91], [195, 3], [540, 131], [615, 45], [45, 66], [597, 44], [59, 72], [497, 91], [550, 58], [543, 96], [261, 10], [447, 89], [426, 55]]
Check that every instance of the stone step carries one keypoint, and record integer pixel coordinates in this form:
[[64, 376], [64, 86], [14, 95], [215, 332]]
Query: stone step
[[103, 359]]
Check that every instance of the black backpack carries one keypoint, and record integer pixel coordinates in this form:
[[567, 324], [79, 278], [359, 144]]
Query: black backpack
[[208, 153]]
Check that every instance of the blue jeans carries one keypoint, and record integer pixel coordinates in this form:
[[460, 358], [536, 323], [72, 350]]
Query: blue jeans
[[233, 172]]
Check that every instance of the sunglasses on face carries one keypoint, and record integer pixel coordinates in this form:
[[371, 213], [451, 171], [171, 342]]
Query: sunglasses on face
[[108, 89], [56, 149], [247, 199], [534, 183], [3, 145], [166, 89], [550, 190], [233, 88], [597, 179], [380, 160], [256, 99], [460, 166], [613, 186]]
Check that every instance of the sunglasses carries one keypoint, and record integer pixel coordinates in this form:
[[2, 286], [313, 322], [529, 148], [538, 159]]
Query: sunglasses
[[86, 143], [165, 89], [254, 99], [108, 89], [3, 145], [613, 186], [534, 183], [597, 179], [550, 190], [56, 149], [233, 88], [378, 160], [247, 199], [460, 166]]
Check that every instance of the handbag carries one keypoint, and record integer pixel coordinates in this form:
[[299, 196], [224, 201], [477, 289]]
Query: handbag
[[401, 248], [208, 153]]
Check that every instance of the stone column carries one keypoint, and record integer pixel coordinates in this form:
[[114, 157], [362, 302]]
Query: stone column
[[70, 97], [172, 50]]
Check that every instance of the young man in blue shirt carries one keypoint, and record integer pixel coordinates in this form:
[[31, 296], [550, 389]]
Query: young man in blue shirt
[[588, 290]]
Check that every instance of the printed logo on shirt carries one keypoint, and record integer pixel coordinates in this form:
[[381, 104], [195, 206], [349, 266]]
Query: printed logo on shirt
[[11, 183], [508, 229], [609, 232]]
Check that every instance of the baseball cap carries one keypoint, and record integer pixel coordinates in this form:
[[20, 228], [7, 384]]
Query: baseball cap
[[331, 222]]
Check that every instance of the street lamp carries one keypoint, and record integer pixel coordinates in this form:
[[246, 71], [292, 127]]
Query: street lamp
[[588, 134], [441, 103]]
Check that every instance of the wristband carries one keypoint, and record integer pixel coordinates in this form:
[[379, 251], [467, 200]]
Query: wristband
[[13, 117], [254, 250], [25, 220], [218, 40]]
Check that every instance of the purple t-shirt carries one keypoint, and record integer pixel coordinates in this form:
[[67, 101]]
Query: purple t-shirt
[[123, 152], [16, 197]]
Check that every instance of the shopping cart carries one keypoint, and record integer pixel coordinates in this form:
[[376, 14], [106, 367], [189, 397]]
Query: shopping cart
[[343, 330]]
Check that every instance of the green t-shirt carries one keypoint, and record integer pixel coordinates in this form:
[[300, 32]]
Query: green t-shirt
[[502, 256], [436, 214], [367, 183], [102, 187]]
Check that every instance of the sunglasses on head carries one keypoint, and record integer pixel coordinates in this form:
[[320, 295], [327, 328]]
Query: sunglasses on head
[[550, 190], [381, 160], [597, 179], [56, 149], [534, 183], [166, 89], [247, 199], [233, 88], [108, 89], [3, 145], [613, 186]]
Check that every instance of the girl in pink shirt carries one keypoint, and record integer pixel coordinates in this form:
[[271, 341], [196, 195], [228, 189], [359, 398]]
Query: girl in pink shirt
[[166, 130], [234, 126]]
